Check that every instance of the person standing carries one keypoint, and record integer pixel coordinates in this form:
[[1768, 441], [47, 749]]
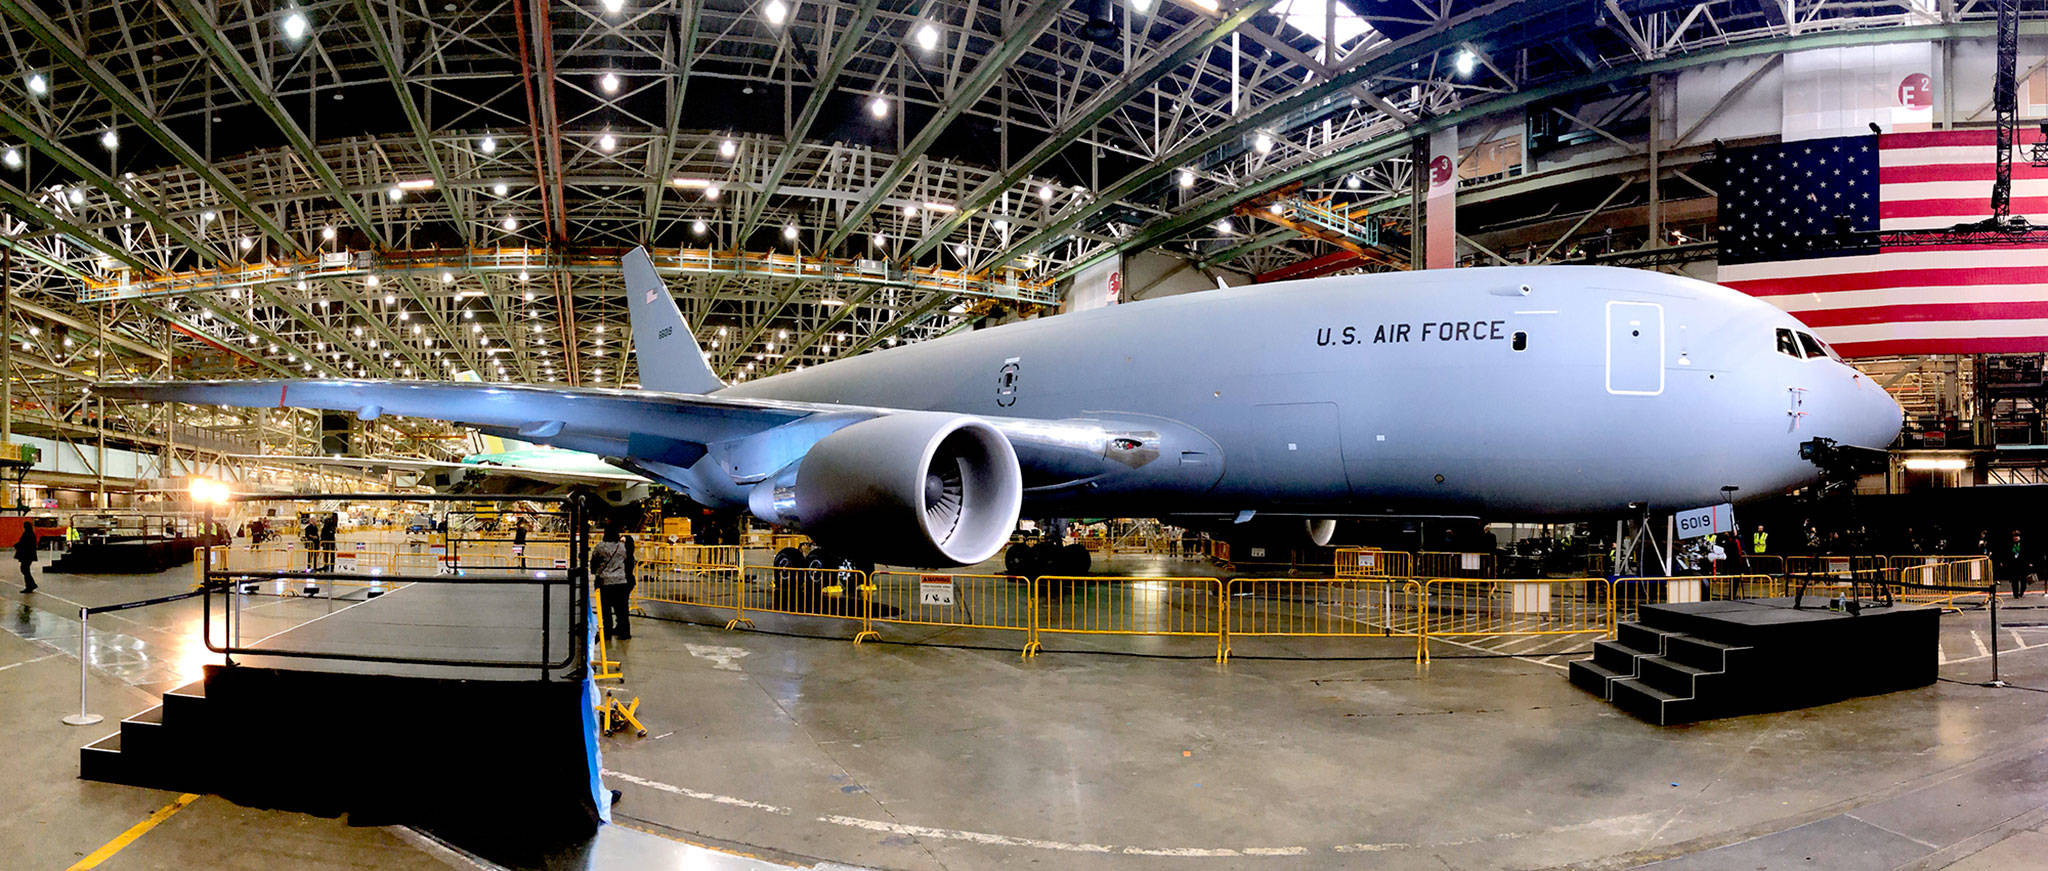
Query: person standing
[[25, 553], [519, 541], [2018, 567], [329, 526], [611, 568]]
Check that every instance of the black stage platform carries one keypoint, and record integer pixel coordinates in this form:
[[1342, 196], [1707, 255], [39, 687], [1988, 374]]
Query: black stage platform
[[464, 749], [1680, 663], [132, 556]]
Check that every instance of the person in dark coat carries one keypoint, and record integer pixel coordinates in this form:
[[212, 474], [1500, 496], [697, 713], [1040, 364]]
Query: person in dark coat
[[611, 567], [25, 553], [328, 527], [519, 541]]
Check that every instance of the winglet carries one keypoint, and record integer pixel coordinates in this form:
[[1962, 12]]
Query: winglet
[[670, 360]]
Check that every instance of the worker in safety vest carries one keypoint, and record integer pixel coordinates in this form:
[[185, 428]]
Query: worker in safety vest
[[1758, 539], [70, 537]]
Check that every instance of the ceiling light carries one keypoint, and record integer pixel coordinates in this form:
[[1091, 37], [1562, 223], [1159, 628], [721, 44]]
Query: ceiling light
[[1276, 208], [881, 239], [711, 193], [1045, 192], [1936, 464], [727, 148], [940, 207], [110, 140], [416, 184], [248, 243], [909, 211], [960, 250], [327, 232], [1001, 225], [522, 277], [1142, 6], [878, 107], [698, 226], [12, 158], [695, 183], [395, 194], [612, 7], [1223, 226], [609, 82], [447, 278], [607, 142], [1353, 182], [370, 280], [499, 189], [511, 223], [1262, 142], [207, 217], [789, 231], [1465, 61], [1187, 178], [927, 36], [295, 26], [776, 12], [489, 144], [38, 85]]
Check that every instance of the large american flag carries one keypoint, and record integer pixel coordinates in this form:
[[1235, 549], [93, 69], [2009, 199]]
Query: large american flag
[[1779, 202]]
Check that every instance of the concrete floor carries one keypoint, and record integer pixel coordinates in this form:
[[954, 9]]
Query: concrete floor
[[811, 751]]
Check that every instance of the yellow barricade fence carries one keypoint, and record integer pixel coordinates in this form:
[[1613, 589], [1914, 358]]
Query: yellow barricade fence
[[1322, 608], [1438, 564], [1130, 606], [1760, 564], [1832, 564], [968, 601], [700, 575], [834, 593], [1536, 606], [1371, 562]]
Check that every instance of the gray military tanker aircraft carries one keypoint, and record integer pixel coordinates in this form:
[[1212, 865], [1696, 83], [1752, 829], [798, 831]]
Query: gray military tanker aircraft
[[1536, 392]]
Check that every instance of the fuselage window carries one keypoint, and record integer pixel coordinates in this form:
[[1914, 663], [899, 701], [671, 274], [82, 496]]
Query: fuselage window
[[1520, 341], [1812, 345], [1787, 344]]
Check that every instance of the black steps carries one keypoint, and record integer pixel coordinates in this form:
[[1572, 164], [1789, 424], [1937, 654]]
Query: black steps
[[1662, 676], [162, 747]]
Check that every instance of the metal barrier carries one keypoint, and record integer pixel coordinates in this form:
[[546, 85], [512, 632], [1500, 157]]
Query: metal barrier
[[1162, 606], [967, 601], [1331, 608], [1438, 564], [701, 575], [1371, 562], [802, 592], [1832, 564]]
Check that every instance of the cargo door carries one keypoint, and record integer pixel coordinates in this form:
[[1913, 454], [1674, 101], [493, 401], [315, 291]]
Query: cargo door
[[1635, 348]]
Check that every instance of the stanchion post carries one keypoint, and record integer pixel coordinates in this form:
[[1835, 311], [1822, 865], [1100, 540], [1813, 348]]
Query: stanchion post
[[1993, 591], [82, 718]]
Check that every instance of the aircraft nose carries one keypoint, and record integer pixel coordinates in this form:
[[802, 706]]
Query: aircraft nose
[[1872, 418]]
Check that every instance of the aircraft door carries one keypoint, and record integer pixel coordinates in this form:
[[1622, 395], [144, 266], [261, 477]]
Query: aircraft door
[[1300, 451], [1635, 348]]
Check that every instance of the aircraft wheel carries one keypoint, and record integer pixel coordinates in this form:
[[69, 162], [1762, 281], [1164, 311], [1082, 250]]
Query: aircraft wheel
[[789, 558], [1074, 559]]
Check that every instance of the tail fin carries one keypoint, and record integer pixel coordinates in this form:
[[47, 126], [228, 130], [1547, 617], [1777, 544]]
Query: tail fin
[[670, 360]]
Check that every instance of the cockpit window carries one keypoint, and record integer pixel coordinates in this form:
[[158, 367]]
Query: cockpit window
[[1812, 345], [1787, 344]]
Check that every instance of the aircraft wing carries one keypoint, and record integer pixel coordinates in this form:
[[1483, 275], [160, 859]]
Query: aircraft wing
[[404, 464], [672, 429]]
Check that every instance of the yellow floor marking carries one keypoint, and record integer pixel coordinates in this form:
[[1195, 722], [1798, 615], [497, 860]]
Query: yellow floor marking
[[121, 841]]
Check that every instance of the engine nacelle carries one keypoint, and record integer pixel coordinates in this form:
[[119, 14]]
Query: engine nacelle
[[918, 489]]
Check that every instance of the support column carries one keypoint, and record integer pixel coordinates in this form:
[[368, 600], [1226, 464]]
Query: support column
[[1656, 210], [1418, 193]]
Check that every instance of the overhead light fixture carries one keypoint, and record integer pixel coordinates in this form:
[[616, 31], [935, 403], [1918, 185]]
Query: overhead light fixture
[[327, 233], [880, 239], [1262, 142], [1353, 182], [1045, 192], [446, 278], [1141, 6], [698, 226], [1465, 61], [776, 12], [941, 207], [697, 183], [910, 211], [499, 189], [248, 243], [1224, 227], [612, 7], [12, 158], [296, 25], [878, 107], [38, 85], [1187, 178], [395, 194], [609, 82], [728, 148], [960, 250], [77, 196], [1276, 208], [789, 231], [489, 145], [371, 280], [110, 140], [607, 142], [927, 36], [416, 184], [711, 193], [511, 223], [207, 217]]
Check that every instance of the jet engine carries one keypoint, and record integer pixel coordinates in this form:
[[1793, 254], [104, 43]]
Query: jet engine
[[918, 489]]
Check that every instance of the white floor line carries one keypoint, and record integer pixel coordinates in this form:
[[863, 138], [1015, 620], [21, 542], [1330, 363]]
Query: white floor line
[[686, 792], [315, 620], [1442, 640], [2003, 651], [1062, 846], [1979, 640], [27, 661]]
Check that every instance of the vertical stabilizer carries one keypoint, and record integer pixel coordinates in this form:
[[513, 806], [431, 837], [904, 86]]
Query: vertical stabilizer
[[669, 358]]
